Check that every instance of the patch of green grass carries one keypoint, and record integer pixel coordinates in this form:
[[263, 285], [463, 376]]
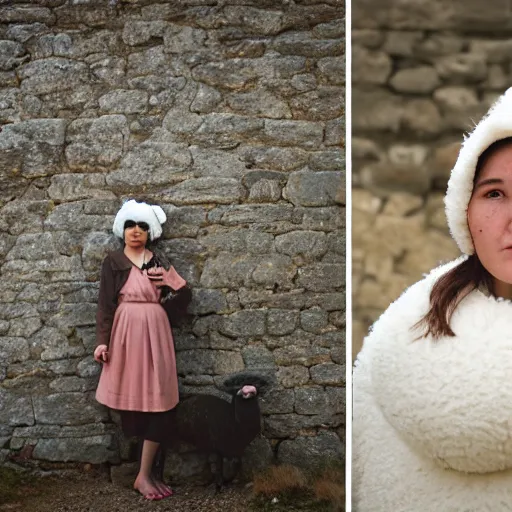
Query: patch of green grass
[[10, 482], [303, 501]]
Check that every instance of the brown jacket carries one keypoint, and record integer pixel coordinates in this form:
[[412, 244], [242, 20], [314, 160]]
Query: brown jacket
[[114, 274]]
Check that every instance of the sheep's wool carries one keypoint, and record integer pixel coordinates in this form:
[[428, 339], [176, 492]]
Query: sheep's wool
[[496, 125], [432, 426], [153, 215]]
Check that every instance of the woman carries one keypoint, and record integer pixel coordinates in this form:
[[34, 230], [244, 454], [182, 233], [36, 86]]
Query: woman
[[432, 386], [134, 341]]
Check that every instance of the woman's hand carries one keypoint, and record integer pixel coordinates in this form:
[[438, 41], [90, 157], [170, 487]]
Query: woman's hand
[[170, 278], [101, 354]]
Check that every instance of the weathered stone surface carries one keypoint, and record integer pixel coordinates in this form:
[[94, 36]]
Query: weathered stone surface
[[206, 301], [244, 323], [15, 410], [264, 191], [387, 177], [322, 276], [300, 133], [281, 322], [67, 409], [370, 67], [179, 39], [217, 362], [292, 376], [295, 355], [206, 99], [328, 374], [305, 188], [238, 241], [257, 457], [259, 103], [287, 425], [257, 357], [274, 158], [298, 43], [420, 80], [314, 320], [309, 244], [124, 102], [73, 187], [51, 75], [10, 53], [402, 43], [139, 32], [470, 67], [332, 69], [205, 190], [13, 350], [93, 449], [313, 451], [278, 401], [100, 141]]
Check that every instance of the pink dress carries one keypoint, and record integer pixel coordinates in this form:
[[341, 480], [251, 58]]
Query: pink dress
[[141, 372]]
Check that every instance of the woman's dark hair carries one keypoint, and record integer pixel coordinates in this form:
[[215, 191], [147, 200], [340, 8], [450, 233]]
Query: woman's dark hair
[[453, 286]]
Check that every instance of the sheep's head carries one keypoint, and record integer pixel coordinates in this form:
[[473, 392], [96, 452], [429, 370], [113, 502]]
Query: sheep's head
[[245, 384]]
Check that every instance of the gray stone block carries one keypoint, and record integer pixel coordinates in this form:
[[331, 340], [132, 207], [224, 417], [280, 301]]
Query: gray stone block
[[93, 449], [292, 376], [124, 102], [309, 244], [305, 188], [257, 357], [52, 75], [274, 158], [244, 323], [277, 401], [314, 320], [322, 276], [312, 452], [205, 190], [328, 374], [15, 409], [206, 301], [68, 409], [281, 322], [257, 457], [300, 355], [294, 133]]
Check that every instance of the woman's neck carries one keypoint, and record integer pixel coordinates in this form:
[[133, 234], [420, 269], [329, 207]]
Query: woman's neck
[[137, 255], [502, 289]]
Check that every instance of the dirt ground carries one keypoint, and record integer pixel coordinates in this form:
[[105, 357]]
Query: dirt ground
[[93, 492]]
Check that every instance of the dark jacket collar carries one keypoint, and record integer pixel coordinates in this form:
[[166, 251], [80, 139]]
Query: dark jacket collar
[[119, 260]]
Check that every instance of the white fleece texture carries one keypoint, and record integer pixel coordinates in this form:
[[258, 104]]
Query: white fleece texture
[[153, 215], [496, 125], [432, 427]]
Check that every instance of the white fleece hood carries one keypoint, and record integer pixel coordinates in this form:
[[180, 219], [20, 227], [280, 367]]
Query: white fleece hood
[[496, 125]]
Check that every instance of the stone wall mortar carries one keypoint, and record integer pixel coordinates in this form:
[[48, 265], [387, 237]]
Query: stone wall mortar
[[419, 83], [229, 115]]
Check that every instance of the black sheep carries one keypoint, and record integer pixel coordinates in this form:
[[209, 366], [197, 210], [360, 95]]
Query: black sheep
[[220, 428]]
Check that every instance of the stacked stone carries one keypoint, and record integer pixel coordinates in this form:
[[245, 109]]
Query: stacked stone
[[230, 116], [422, 76]]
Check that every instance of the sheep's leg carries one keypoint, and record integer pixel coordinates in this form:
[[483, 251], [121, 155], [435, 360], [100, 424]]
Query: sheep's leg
[[216, 469]]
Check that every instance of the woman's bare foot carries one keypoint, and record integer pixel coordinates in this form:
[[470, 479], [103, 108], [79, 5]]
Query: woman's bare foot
[[147, 488], [162, 488]]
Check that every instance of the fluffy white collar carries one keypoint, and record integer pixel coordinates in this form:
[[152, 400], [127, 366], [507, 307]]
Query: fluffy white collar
[[451, 398]]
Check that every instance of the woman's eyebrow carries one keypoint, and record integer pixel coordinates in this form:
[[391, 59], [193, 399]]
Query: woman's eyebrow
[[489, 181]]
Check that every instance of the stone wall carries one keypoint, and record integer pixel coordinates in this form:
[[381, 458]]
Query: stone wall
[[423, 73], [229, 115]]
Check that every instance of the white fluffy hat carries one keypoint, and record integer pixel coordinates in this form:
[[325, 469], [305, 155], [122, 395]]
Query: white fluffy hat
[[496, 125], [153, 215]]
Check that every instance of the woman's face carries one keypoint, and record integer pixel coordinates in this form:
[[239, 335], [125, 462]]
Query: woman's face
[[490, 218], [136, 236]]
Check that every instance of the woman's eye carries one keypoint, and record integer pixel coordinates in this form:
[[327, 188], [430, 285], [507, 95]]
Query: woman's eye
[[493, 194]]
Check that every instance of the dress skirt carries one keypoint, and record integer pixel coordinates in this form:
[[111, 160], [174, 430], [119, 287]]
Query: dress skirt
[[141, 373]]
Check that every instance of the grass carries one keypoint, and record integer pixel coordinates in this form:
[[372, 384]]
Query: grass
[[287, 487], [10, 483]]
